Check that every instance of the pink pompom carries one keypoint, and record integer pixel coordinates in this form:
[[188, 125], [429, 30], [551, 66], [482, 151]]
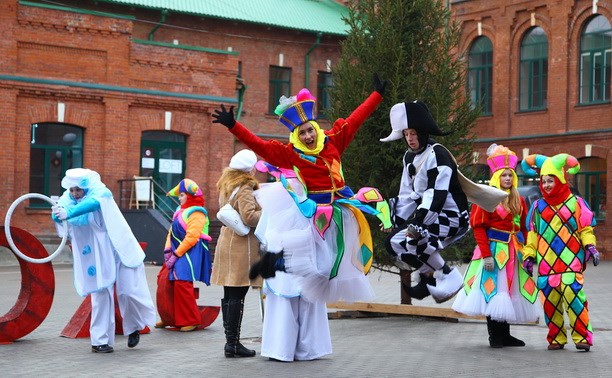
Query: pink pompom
[[304, 94]]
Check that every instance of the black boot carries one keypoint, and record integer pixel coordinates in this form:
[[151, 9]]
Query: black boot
[[267, 266], [420, 290], [224, 306], [507, 339], [231, 323], [495, 335]]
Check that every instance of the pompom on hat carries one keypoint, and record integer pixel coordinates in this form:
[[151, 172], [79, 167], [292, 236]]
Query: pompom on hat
[[243, 160], [411, 115], [296, 110], [552, 166], [186, 186]]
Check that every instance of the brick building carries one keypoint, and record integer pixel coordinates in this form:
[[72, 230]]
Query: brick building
[[127, 88], [541, 71]]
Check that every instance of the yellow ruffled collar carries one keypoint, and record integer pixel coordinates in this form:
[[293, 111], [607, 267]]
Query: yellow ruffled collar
[[294, 139]]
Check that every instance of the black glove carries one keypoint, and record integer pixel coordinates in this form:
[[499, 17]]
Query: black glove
[[379, 86], [224, 117]]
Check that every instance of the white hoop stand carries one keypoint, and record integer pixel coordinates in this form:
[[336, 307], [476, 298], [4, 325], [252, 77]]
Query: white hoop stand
[[9, 238]]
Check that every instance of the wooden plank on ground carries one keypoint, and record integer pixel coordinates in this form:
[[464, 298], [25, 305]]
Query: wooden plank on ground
[[400, 309]]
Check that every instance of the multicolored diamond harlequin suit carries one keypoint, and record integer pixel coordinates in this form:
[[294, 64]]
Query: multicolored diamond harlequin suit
[[556, 239]]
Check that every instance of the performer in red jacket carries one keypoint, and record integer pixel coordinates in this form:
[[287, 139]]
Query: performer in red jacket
[[495, 284], [332, 253]]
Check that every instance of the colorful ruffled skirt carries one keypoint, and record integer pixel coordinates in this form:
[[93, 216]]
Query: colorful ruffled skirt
[[323, 271]]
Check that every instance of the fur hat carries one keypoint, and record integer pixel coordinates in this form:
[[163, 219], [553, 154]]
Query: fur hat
[[411, 115], [80, 177], [243, 160]]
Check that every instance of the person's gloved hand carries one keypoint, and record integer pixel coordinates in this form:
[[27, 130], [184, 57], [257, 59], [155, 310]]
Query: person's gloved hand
[[528, 265], [379, 85], [416, 232], [489, 264], [171, 261], [592, 253], [167, 254], [225, 117], [59, 212]]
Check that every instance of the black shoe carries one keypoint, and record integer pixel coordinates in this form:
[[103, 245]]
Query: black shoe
[[133, 339], [583, 346], [102, 348], [507, 338], [236, 349], [420, 290], [512, 341], [555, 346]]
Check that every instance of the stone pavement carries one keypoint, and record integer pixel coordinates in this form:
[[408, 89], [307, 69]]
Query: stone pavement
[[393, 346]]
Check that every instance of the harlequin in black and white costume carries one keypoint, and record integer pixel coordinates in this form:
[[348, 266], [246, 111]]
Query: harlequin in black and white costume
[[431, 210]]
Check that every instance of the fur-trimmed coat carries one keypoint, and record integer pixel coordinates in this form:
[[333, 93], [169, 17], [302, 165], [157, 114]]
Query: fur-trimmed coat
[[235, 254]]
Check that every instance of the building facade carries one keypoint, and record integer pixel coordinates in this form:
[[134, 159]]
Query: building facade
[[540, 70], [128, 90]]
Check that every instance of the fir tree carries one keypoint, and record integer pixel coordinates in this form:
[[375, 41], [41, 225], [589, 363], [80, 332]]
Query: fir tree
[[414, 45]]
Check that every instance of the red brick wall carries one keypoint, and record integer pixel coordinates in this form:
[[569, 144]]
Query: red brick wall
[[56, 45], [566, 126]]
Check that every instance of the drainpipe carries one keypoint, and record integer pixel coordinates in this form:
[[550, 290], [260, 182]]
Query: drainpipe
[[241, 89], [164, 15], [307, 60]]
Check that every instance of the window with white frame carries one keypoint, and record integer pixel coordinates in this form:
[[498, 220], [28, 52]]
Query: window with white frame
[[480, 74], [533, 70], [595, 53]]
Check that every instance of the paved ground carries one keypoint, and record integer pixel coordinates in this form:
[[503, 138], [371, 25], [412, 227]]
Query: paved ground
[[363, 347]]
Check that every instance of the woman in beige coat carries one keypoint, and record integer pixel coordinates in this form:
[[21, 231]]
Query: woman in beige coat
[[235, 254]]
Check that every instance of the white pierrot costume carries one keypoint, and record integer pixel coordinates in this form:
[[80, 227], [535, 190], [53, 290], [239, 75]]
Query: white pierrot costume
[[94, 231], [105, 253], [294, 328]]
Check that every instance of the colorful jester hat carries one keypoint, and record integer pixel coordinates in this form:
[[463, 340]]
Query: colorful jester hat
[[186, 186], [499, 159], [552, 166]]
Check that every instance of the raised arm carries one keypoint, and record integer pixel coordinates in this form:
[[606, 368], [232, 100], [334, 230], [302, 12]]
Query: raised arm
[[272, 151], [344, 129]]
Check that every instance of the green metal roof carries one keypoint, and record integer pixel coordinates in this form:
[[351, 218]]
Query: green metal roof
[[324, 16]]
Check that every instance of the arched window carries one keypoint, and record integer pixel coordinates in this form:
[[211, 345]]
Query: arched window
[[590, 182], [595, 48], [480, 74], [533, 70], [54, 148]]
